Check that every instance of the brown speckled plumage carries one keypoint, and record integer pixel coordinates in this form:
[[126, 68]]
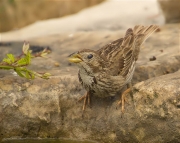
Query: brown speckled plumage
[[104, 72]]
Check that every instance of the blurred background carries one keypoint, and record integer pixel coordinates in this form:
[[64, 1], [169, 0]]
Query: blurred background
[[15, 14], [44, 17]]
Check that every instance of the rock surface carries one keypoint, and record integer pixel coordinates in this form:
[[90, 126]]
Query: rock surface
[[48, 108]]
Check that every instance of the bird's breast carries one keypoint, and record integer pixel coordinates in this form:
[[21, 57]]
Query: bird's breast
[[95, 84], [87, 80]]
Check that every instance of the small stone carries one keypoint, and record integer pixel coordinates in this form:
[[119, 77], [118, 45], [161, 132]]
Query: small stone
[[178, 105], [27, 84], [56, 64], [153, 58], [158, 30]]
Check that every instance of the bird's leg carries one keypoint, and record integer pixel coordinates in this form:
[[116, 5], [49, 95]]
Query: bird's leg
[[123, 98], [129, 85], [82, 97], [86, 98], [89, 100]]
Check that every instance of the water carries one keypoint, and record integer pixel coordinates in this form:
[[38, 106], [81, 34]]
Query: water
[[45, 141]]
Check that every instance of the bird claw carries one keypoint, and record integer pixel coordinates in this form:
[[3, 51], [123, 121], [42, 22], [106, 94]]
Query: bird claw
[[123, 100], [86, 98]]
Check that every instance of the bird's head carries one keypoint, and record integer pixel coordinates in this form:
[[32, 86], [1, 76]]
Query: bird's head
[[88, 60]]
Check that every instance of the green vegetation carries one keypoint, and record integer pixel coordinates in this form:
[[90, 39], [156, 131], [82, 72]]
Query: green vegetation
[[19, 64]]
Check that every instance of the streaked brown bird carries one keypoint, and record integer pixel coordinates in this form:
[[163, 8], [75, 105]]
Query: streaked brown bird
[[106, 71]]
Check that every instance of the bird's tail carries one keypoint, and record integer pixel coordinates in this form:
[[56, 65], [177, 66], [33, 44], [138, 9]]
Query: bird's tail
[[144, 31], [141, 33]]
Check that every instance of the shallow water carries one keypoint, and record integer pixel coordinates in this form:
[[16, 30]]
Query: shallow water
[[45, 141]]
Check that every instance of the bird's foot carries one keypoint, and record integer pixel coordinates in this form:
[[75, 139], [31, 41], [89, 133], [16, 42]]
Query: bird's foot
[[86, 98], [123, 99]]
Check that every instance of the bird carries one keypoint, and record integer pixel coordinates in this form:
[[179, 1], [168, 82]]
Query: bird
[[106, 71]]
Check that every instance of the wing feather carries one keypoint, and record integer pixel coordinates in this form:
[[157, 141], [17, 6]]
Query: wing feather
[[123, 52]]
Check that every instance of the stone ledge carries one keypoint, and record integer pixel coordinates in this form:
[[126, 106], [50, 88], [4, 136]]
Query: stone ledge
[[48, 108]]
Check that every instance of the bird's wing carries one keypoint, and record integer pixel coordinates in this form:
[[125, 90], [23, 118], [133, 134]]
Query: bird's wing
[[109, 48], [123, 52], [107, 52]]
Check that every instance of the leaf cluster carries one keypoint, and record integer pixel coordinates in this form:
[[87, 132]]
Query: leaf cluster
[[19, 64]]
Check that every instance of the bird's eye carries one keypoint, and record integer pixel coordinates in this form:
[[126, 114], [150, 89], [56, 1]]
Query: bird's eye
[[89, 56]]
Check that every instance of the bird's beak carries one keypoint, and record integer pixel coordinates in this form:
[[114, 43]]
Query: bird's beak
[[75, 58]]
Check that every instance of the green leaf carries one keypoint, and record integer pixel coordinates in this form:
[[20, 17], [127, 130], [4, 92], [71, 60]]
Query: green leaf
[[22, 61], [47, 74], [19, 72], [27, 75], [25, 60], [32, 76], [5, 67], [11, 57], [6, 60], [28, 56]]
